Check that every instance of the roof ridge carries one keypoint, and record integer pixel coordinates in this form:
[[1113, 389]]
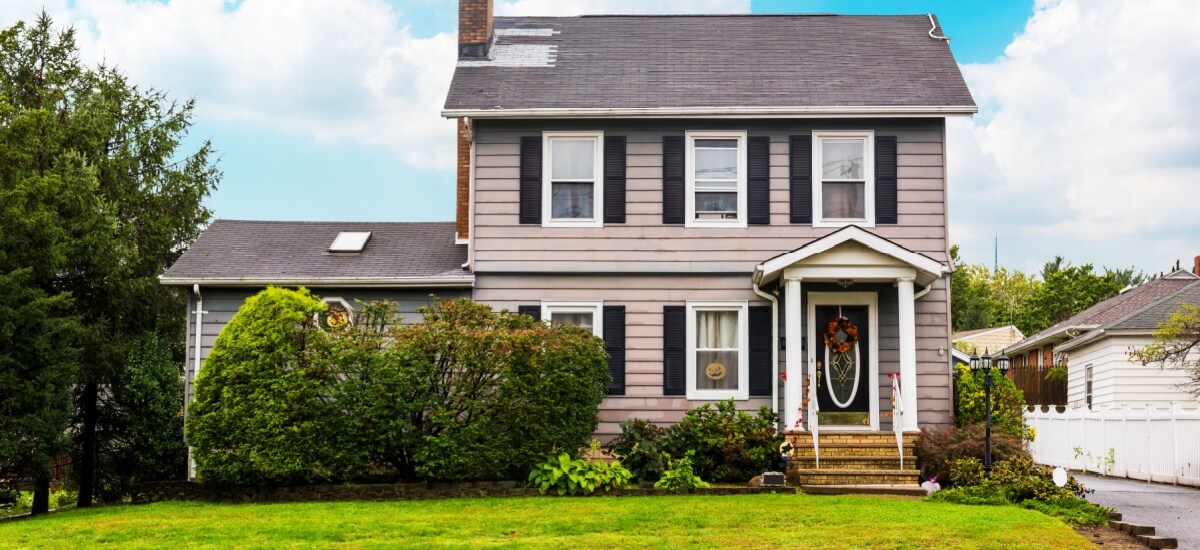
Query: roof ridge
[[330, 222]]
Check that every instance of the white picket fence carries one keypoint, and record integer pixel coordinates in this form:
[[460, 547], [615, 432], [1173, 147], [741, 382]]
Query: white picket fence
[[1153, 444]]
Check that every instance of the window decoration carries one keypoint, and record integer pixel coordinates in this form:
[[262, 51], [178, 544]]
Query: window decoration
[[338, 314], [717, 360]]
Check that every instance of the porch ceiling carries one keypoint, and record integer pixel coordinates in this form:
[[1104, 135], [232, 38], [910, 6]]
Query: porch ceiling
[[850, 253]]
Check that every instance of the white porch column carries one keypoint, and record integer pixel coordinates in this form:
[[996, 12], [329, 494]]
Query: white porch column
[[793, 355], [908, 351]]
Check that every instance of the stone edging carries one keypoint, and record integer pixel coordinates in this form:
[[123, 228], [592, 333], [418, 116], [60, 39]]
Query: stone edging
[[1143, 534], [184, 490]]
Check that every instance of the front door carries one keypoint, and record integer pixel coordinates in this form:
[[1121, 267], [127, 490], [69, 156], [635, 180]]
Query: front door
[[842, 352]]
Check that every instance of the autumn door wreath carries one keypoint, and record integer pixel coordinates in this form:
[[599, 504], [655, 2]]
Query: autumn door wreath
[[841, 335]]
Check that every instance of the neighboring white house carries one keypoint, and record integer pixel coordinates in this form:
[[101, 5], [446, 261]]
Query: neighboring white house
[[1095, 346]]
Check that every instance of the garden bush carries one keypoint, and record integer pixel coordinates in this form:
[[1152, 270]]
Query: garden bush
[[1017, 480], [288, 396], [262, 413], [727, 444], [579, 476], [680, 474], [638, 447], [1008, 402], [938, 449]]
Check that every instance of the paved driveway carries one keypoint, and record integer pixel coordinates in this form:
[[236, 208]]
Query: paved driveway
[[1174, 511]]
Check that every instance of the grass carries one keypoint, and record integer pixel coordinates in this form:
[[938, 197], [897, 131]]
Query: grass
[[743, 521]]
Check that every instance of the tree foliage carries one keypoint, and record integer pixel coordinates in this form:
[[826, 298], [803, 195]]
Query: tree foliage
[[97, 202], [262, 412], [466, 394], [1176, 345], [983, 297], [1008, 402]]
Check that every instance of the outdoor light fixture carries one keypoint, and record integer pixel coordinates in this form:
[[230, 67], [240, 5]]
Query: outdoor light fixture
[[986, 364]]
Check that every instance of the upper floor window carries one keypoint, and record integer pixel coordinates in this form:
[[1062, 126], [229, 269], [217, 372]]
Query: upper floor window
[[844, 182], [715, 168], [572, 180]]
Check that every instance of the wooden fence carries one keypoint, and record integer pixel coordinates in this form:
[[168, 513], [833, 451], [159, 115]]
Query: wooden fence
[[1153, 444], [1038, 390]]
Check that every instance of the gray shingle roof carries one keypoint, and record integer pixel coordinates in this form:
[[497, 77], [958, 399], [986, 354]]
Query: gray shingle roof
[[754, 61], [283, 252], [1150, 316]]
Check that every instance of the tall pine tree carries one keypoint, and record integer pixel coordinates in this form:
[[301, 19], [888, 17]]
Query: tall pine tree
[[135, 203]]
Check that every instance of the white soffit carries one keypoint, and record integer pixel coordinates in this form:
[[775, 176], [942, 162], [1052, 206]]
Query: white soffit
[[350, 241]]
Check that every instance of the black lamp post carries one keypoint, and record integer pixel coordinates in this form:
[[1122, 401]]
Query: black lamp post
[[986, 363]]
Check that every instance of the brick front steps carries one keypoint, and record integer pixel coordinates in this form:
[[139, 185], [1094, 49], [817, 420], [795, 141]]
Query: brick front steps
[[853, 463]]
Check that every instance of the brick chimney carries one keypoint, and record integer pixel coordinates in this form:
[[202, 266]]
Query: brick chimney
[[474, 27], [1196, 267], [462, 212]]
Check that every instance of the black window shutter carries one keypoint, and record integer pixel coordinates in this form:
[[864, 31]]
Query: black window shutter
[[760, 350], [800, 180], [886, 209], [758, 198], [674, 350], [672, 193], [614, 342], [614, 179], [532, 311], [531, 179]]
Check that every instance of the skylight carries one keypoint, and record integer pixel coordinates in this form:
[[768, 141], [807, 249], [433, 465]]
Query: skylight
[[350, 241]]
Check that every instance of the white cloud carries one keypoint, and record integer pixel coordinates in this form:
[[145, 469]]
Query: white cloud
[[1088, 140], [588, 7], [332, 70]]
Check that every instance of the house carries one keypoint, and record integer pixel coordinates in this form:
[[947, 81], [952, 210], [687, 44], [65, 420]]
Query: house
[[743, 207], [728, 189], [986, 339], [1094, 346]]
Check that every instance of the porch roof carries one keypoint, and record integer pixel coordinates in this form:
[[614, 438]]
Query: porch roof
[[926, 269]]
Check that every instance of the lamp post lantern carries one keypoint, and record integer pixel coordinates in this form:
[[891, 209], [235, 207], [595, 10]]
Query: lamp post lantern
[[986, 364]]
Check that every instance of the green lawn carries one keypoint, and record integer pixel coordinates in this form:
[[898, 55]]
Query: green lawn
[[743, 521]]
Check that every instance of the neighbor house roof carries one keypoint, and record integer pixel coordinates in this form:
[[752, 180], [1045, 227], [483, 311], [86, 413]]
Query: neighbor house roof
[[1145, 319], [711, 65], [249, 253], [1128, 302]]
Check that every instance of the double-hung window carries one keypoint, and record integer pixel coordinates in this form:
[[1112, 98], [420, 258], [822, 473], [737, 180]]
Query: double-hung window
[[717, 362], [571, 181], [1087, 386], [581, 314], [715, 168], [844, 182]]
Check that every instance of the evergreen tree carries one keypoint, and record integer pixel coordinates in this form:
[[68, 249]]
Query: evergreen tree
[[133, 206]]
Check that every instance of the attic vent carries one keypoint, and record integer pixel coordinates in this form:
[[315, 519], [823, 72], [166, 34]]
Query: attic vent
[[350, 241]]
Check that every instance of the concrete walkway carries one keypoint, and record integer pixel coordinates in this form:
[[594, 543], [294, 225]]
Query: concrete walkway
[[1173, 510]]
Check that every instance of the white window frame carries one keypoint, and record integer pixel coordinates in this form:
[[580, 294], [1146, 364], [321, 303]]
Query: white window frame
[[577, 306], [743, 390], [868, 136], [597, 219], [690, 177]]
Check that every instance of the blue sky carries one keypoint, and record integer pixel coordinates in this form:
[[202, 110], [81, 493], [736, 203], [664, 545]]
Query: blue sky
[[327, 109]]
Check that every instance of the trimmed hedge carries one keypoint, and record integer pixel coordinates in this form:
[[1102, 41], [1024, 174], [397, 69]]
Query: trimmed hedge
[[289, 397]]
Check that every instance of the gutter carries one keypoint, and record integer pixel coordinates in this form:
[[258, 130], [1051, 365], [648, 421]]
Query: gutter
[[378, 282], [1032, 342], [890, 111]]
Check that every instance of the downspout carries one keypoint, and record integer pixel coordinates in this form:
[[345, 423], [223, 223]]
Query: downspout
[[774, 345], [191, 467]]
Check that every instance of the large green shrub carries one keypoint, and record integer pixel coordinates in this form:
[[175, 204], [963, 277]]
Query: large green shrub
[[639, 448], [470, 393], [938, 449], [262, 412], [1008, 402], [728, 444]]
